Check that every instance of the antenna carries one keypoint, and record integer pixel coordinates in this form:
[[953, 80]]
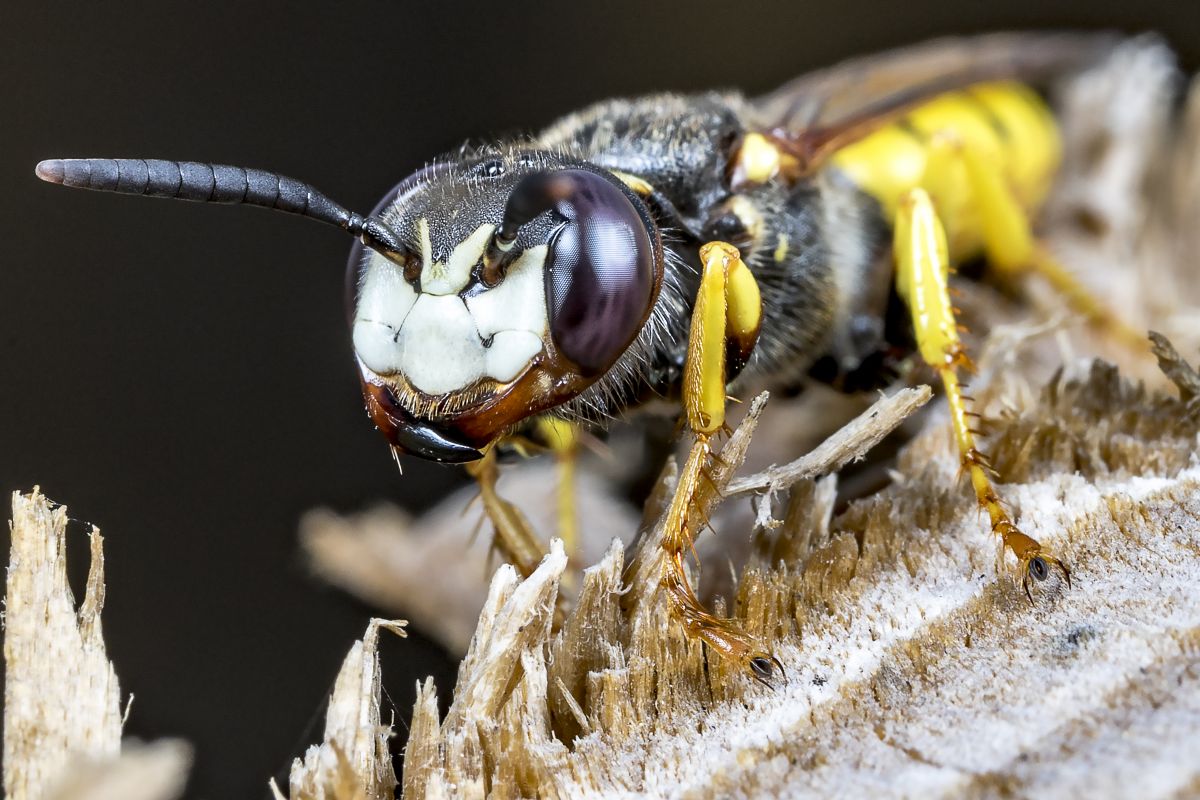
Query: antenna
[[218, 183]]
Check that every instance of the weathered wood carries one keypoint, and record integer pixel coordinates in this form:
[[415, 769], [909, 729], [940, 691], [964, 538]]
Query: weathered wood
[[62, 702]]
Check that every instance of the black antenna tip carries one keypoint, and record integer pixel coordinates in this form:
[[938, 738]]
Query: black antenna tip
[[51, 170]]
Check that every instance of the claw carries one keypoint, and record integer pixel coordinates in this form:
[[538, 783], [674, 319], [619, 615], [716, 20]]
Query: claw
[[1036, 564], [763, 666], [721, 635]]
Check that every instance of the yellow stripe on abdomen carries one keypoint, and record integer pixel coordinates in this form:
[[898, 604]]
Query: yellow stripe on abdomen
[[1007, 122]]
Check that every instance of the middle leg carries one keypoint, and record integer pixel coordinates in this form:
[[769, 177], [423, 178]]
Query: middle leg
[[922, 265]]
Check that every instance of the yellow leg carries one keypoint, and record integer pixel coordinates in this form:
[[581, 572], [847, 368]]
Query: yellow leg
[[563, 440], [1012, 250], [514, 537], [726, 318], [922, 264]]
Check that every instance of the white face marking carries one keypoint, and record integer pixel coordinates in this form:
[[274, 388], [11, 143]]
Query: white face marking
[[439, 350], [510, 352], [385, 300], [452, 276], [435, 339], [519, 302], [426, 245]]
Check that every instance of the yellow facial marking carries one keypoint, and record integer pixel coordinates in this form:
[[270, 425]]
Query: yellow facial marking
[[452, 275], [426, 244]]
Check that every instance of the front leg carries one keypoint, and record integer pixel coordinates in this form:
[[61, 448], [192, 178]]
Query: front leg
[[514, 537], [562, 439], [725, 325]]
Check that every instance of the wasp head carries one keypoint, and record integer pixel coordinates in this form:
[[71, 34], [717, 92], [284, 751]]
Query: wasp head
[[524, 278], [484, 291]]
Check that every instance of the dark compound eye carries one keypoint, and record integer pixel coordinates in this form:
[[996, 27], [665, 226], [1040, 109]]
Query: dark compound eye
[[601, 269]]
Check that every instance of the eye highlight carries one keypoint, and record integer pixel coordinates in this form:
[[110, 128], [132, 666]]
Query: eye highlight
[[602, 268]]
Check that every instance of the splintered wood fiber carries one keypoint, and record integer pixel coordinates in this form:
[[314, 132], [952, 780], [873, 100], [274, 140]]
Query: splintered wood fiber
[[912, 669]]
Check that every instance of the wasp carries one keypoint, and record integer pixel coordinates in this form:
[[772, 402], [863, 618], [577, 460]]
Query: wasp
[[687, 247]]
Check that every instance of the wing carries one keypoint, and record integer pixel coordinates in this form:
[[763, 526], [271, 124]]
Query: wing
[[818, 113]]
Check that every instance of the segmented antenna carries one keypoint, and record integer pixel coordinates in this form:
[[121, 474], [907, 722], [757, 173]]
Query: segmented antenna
[[218, 183]]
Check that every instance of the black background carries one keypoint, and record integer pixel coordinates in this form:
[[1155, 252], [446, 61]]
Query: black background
[[180, 375]]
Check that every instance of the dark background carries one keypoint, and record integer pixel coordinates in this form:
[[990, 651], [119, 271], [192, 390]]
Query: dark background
[[180, 375]]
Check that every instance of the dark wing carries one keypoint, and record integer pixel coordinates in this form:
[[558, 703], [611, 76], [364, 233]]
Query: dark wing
[[818, 113]]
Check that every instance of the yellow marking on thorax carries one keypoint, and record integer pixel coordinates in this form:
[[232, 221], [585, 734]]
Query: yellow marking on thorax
[[637, 185], [781, 248], [1006, 122], [758, 159]]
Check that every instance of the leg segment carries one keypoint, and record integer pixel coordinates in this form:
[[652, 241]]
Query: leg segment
[[725, 325], [1012, 250], [562, 439], [515, 538], [922, 265]]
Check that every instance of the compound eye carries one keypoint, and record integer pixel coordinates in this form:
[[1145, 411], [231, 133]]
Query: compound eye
[[601, 269]]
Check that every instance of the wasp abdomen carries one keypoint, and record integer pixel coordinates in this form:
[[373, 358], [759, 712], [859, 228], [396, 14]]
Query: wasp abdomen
[[1006, 123]]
